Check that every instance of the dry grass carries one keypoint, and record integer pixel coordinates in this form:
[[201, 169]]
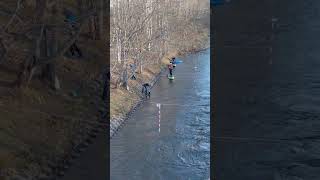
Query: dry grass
[[39, 124], [121, 100]]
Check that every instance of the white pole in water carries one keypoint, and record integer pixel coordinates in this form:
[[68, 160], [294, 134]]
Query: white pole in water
[[159, 105]]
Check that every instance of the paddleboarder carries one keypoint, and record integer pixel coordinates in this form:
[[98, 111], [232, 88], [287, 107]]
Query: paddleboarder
[[170, 67], [173, 61]]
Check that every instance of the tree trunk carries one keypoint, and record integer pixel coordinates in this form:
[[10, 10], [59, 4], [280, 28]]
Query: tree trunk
[[3, 51], [92, 20], [53, 50], [40, 10], [52, 76], [125, 79], [92, 27], [140, 65], [101, 20], [47, 40], [80, 6]]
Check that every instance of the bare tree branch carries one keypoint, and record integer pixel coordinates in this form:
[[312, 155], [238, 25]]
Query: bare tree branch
[[14, 15]]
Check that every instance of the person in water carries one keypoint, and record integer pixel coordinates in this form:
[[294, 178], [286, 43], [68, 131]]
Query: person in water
[[173, 61], [170, 67]]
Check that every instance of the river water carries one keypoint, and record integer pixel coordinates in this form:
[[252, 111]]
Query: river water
[[176, 146], [268, 89]]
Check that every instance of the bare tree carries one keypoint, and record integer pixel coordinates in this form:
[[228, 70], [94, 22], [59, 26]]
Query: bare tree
[[47, 49], [144, 30]]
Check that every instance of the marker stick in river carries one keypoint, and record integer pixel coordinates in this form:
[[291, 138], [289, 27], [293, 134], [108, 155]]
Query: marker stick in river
[[159, 105]]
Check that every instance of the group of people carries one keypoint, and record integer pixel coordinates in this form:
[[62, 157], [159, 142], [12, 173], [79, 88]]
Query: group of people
[[146, 86]]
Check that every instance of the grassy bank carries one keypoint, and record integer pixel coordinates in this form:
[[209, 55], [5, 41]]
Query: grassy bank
[[122, 101], [39, 126]]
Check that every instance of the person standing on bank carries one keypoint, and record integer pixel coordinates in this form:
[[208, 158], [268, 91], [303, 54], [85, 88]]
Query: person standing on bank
[[146, 90]]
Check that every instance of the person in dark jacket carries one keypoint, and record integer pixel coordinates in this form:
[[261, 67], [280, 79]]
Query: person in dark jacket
[[146, 89], [71, 21], [170, 67], [173, 61]]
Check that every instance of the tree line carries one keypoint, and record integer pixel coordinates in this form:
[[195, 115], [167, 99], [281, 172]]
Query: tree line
[[39, 34], [143, 31]]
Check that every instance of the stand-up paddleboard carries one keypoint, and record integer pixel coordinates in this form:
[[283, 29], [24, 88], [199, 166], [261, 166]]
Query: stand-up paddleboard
[[170, 77], [178, 61]]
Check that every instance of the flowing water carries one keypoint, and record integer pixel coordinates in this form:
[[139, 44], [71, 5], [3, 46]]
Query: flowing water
[[170, 140], [268, 87]]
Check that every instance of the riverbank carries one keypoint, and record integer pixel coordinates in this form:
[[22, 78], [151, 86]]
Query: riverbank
[[123, 102], [176, 144], [39, 126]]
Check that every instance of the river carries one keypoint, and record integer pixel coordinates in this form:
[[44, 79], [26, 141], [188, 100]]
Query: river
[[268, 61], [176, 146]]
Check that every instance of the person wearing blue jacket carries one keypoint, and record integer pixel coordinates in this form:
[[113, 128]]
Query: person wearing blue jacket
[[71, 20]]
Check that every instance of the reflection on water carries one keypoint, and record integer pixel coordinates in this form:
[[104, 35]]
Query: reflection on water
[[181, 150]]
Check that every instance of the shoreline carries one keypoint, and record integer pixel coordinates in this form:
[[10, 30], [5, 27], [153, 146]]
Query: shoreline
[[116, 123]]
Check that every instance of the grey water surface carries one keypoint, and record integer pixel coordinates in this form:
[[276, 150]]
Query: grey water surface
[[268, 90], [178, 145]]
